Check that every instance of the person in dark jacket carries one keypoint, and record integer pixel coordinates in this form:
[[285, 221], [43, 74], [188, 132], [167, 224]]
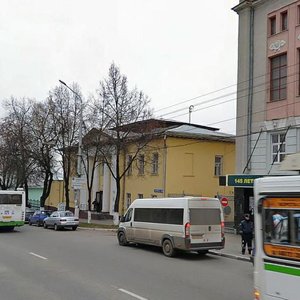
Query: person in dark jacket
[[246, 229]]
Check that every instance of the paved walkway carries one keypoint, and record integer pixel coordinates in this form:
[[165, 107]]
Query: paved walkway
[[232, 247]]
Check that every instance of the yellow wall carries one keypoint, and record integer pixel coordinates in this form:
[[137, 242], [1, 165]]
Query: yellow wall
[[57, 194], [190, 167], [144, 184], [189, 170]]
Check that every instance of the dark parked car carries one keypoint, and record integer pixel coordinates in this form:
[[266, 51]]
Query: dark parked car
[[39, 216], [28, 213]]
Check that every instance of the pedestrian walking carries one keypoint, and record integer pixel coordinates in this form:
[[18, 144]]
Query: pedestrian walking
[[246, 229]]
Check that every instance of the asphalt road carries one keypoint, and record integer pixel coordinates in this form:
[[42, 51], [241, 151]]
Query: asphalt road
[[37, 263]]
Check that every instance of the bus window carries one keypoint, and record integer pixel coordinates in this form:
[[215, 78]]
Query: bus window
[[276, 226], [296, 223]]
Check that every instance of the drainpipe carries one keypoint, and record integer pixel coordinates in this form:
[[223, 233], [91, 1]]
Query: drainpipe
[[250, 87], [165, 165]]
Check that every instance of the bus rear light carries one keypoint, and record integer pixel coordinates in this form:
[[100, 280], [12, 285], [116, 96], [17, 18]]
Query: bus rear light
[[256, 294], [187, 230]]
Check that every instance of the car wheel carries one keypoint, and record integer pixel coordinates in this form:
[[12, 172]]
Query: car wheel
[[122, 238], [29, 223], [168, 248], [55, 227], [45, 225], [38, 224], [74, 227]]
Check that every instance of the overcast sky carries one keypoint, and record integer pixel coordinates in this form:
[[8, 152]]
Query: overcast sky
[[173, 50]]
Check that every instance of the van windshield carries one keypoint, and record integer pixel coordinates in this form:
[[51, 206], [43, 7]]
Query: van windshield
[[205, 216]]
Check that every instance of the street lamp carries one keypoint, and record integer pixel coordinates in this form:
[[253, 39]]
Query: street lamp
[[79, 155]]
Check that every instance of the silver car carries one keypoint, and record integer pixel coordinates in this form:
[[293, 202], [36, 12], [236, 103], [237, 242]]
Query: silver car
[[61, 219]]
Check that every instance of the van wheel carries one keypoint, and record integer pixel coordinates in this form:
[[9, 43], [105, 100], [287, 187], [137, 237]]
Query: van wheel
[[168, 248], [202, 252], [122, 238]]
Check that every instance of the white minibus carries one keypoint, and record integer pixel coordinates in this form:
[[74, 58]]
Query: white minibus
[[277, 238], [189, 223]]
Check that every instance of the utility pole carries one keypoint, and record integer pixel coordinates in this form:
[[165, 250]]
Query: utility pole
[[79, 155]]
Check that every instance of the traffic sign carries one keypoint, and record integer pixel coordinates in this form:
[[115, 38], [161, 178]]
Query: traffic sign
[[224, 201]]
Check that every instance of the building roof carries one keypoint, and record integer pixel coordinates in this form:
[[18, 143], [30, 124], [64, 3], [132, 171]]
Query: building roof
[[194, 132], [153, 124]]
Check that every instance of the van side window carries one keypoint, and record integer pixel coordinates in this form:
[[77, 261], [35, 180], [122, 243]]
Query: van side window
[[128, 215]]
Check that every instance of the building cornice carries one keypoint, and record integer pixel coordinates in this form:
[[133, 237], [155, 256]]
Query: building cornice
[[247, 4]]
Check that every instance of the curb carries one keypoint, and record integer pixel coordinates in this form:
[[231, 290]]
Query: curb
[[97, 229], [232, 256]]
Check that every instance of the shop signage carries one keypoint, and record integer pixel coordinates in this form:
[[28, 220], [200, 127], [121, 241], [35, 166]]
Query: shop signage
[[241, 180]]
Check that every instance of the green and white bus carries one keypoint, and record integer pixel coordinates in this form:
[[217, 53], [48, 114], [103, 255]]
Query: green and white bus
[[12, 209], [277, 238]]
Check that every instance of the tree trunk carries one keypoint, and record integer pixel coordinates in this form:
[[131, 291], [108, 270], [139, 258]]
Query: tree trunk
[[117, 201]]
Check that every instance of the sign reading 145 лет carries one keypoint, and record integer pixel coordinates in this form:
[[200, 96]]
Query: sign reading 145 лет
[[241, 180]]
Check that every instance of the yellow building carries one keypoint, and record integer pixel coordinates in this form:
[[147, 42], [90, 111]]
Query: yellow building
[[183, 159], [186, 160]]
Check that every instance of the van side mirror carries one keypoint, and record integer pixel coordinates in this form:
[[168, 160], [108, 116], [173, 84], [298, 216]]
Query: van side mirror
[[122, 219]]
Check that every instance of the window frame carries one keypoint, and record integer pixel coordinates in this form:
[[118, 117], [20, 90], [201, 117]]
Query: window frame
[[278, 75], [129, 161], [141, 164], [155, 159], [284, 20], [280, 154], [272, 25], [218, 170]]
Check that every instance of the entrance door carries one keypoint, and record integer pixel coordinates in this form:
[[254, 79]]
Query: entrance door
[[99, 201]]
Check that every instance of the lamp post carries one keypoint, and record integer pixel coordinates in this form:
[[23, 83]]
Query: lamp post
[[79, 155]]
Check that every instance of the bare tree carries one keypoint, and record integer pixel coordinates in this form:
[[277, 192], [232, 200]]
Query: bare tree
[[65, 109], [8, 159], [18, 134], [118, 106], [44, 141]]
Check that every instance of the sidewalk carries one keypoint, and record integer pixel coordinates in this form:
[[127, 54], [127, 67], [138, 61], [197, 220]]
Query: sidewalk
[[232, 247]]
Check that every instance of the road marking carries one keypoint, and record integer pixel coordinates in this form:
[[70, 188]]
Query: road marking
[[39, 256], [132, 294]]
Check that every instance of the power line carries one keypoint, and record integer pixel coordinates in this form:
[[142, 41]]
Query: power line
[[219, 97]]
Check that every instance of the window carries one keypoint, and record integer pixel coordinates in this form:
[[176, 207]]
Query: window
[[141, 164], [284, 21], [272, 22], [129, 165], [218, 165], [207, 216], [278, 77], [128, 200], [298, 16], [278, 147], [10, 199], [128, 215], [159, 215], [155, 163], [140, 196]]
